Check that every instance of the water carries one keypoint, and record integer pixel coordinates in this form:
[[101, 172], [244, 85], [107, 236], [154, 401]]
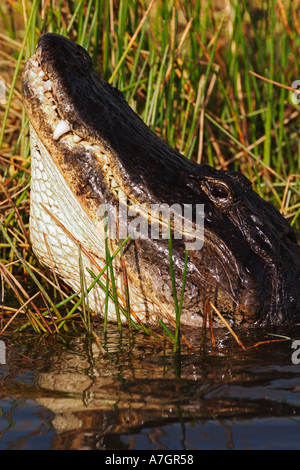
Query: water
[[63, 394]]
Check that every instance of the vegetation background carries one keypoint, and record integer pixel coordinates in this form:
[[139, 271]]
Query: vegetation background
[[211, 78]]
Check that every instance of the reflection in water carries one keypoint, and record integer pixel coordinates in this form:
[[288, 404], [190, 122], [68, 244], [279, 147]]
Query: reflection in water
[[142, 396]]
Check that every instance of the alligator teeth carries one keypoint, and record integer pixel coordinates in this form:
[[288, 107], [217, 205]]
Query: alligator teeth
[[47, 85], [122, 195], [62, 128], [114, 184], [76, 138], [34, 62], [96, 147]]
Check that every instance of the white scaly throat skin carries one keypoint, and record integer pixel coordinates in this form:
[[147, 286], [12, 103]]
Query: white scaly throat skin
[[50, 242]]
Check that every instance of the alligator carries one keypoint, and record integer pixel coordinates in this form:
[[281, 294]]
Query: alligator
[[92, 157]]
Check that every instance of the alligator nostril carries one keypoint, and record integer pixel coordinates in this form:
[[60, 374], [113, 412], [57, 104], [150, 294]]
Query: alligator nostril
[[80, 55]]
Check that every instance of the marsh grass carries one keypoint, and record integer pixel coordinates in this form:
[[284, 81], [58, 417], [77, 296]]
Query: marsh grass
[[185, 68]]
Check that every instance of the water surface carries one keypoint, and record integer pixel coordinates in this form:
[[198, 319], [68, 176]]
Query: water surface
[[64, 394]]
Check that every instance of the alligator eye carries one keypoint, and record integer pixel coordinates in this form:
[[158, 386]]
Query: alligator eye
[[218, 191]]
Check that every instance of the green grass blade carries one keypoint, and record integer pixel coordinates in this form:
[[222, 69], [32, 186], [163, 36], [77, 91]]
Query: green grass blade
[[17, 69]]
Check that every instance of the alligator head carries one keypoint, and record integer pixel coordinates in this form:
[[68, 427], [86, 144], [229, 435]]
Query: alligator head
[[89, 148]]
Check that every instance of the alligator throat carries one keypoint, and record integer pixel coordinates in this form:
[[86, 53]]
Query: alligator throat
[[98, 170]]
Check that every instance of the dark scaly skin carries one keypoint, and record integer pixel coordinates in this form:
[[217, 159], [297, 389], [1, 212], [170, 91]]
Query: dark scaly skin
[[249, 265]]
